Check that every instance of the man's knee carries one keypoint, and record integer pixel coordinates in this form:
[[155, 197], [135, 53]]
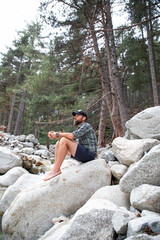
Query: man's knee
[[63, 140]]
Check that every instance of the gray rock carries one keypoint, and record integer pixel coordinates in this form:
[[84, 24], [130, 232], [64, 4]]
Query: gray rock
[[31, 138], [155, 149], [28, 144], [20, 146], [118, 170], [120, 220], [131, 151], [149, 213], [42, 153], [57, 231], [69, 163], [146, 171], [62, 195], [42, 147], [8, 160], [146, 197], [35, 158], [23, 182], [145, 124], [21, 138], [135, 211], [113, 194], [143, 237], [11, 176], [14, 143], [141, 224], [111, 163], [28, 150], [107, 155], [92, 221], [102, 149], [16, 150], [2, 190]]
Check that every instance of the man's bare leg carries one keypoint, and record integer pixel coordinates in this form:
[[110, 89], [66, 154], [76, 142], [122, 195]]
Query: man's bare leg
[[56, 151], [63, 146]]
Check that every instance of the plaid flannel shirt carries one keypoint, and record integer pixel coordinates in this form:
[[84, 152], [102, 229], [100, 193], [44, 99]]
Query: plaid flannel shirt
[[85, 136]]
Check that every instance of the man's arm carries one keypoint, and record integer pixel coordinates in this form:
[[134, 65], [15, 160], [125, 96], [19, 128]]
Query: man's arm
[[52, 135]]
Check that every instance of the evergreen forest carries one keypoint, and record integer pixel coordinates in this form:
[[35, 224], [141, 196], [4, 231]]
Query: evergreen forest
[[82, 63]]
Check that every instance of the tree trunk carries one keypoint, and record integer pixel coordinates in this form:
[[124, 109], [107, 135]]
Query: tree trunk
[[11, 113], [109, 96], [102, 124], [119, 93], [20, 113], [118, 130], [13, 101], [103, 76], [151, 61]]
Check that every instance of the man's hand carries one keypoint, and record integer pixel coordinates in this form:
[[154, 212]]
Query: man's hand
[[52, 135]]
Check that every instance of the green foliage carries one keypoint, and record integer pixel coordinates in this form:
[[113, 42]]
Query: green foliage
[[133, 55]]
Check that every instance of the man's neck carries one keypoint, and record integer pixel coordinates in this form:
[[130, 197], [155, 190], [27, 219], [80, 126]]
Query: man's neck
[[80, 124]]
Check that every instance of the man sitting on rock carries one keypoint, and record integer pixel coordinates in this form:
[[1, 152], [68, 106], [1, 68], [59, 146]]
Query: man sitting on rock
[[84, 149]]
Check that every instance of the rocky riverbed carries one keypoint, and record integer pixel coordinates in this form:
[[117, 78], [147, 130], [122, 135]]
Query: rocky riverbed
[[116, 196]]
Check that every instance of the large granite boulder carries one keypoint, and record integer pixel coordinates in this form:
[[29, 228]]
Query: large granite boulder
[[23, 182], [92, 221], [11, 176], [146, 197], [114, 194], [8, 160], [31, 212], [145, 171], [145, 124], [131, 151]]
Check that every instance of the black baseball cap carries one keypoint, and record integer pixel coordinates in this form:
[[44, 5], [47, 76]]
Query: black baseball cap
[[80, 112]]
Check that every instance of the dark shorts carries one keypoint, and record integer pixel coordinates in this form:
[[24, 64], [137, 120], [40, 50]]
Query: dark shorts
[[83, 154]]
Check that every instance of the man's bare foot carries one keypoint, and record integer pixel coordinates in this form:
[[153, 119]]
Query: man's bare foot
[[52, 175]]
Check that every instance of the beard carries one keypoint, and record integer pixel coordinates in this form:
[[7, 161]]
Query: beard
[[77, 122]]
